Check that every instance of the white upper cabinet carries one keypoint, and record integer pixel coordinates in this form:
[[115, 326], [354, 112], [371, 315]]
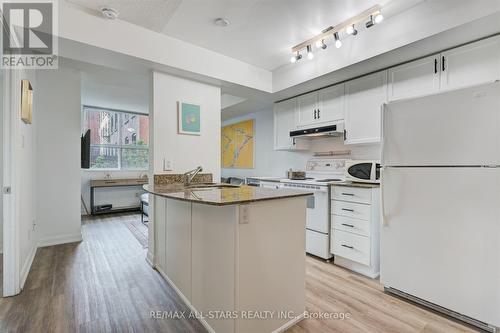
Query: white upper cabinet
[[331, 104], [321, 107], [285, 115], [307, 109], [363, 102], [416, 78], [471, 64]]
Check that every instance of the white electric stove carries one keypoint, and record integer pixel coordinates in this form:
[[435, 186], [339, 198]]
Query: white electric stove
[[320, 173]]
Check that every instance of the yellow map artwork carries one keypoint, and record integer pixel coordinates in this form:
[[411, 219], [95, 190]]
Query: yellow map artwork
[[237, 145]]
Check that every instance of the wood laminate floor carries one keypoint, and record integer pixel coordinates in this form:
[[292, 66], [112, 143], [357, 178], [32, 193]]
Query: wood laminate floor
[[104, 285]]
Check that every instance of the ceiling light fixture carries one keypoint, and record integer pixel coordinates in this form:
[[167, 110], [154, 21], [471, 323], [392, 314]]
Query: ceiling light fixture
[[350, 30], [109, 13], [310, 54], [374, 15], [338, 42], [222, 22]]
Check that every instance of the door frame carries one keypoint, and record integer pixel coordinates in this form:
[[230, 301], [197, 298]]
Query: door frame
[[11, 260]]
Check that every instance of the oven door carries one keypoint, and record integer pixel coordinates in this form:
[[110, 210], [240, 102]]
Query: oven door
[[318, 218]]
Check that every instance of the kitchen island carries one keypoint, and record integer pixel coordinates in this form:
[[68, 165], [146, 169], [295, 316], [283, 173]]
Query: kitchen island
[[235, 255]]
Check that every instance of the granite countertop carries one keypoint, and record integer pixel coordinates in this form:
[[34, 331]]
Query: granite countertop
[[222, 196], [354, 184]]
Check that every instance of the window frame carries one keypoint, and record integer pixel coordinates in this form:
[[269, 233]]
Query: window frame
[[120, 146]]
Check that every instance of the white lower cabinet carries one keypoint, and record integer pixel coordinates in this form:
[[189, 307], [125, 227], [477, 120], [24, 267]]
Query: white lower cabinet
[[355, 228]]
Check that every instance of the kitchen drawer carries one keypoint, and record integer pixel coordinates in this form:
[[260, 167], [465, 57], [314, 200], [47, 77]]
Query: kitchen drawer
[[351, 209], [351, 246], [354, 194], [348, 224]]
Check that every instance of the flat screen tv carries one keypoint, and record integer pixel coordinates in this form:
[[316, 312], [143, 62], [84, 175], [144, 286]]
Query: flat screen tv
[[85, 160]]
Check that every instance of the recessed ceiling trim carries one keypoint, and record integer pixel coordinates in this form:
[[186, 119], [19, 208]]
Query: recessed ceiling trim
[[372, 11]]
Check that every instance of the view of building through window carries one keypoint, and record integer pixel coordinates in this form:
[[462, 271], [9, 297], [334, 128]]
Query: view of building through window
[[119, 139]]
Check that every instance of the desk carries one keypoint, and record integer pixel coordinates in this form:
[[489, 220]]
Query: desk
[[100, 183]]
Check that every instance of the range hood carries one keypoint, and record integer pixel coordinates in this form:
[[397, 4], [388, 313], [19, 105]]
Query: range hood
[[324, 131]]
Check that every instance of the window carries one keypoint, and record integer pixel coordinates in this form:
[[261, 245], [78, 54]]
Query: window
[[118, 139]]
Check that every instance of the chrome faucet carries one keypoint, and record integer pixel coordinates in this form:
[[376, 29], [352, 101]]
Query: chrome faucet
[[188, 176]]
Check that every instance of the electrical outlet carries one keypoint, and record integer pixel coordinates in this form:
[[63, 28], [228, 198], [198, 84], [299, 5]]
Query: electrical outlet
[[168, 165], [244, 215]]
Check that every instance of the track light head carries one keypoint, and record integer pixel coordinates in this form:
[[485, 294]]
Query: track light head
[[320, 44], [296, 57], [350, 30], [310, 54], [338, 42], [379, 18], [370, 22]]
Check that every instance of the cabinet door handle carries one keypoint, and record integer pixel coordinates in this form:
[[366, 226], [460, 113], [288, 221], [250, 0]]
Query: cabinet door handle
[[443, 67], [435, 65], [348, 225], [319, 116], [345, 135], [349, 247], [348, 210], [314, 113], [349, 194]]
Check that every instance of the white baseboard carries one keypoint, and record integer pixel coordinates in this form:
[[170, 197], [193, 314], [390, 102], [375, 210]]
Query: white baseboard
[[27, 266], [289, 324], [150, 259], [185, 300], [61, 239]]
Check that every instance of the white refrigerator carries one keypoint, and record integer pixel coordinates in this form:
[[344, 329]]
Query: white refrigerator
[[440, 238]]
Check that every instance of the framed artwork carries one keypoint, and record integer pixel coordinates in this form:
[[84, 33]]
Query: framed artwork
[[238, 145], [188, 118], [26, 101]]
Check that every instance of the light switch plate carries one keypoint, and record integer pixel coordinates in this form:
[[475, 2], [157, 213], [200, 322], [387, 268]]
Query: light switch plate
[[168, 165]]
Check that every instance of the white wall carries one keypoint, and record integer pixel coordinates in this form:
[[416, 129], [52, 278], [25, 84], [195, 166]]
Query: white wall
[[58, 156], [268, 162], [185, 151]]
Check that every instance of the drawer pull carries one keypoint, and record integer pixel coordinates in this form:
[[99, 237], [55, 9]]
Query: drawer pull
[[348, 225], [348, 210], [349, 247], [349, 194]]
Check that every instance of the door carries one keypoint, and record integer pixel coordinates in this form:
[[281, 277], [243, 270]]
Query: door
[[460, 127], [307, 109], [471, 64], [417, 78], [363, 101], [440, 240], [331, 104]]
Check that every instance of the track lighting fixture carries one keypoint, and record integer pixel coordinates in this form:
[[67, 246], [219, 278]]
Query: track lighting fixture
[[310, 54], [373, 14], [320, 43], [350, 30], [338, 42]]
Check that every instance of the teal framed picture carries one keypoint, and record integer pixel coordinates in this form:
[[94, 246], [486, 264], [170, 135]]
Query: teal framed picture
[[189, 118]]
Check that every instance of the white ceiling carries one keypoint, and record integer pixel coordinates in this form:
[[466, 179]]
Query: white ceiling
[[261, 32]]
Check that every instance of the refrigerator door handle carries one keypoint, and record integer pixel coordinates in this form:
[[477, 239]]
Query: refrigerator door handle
[[382, 120], [385, 222]]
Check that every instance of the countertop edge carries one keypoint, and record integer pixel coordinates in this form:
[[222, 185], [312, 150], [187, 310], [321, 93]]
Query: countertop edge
[[211, 203]]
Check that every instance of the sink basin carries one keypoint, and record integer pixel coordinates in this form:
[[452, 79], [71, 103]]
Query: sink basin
[[208, 186]]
